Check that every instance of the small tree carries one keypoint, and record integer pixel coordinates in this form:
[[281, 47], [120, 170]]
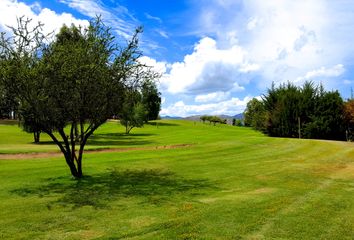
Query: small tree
[[204, 118], [216, 119], [255, 115], [349, 118], [238, 123], [151, 99], [135, 117], [133, 113]]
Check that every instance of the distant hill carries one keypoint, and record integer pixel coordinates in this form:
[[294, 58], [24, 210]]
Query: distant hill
[[239, 116], [227, 117], [171, 117], [193, 118], [197, 117]]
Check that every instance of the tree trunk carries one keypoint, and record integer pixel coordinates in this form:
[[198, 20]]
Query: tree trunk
[[71, 164], [67, 147], [36, 136]]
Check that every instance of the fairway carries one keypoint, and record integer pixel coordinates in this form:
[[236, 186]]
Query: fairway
[[175, 179]]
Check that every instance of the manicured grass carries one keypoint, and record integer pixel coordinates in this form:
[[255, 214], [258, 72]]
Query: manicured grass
[[231, 183]]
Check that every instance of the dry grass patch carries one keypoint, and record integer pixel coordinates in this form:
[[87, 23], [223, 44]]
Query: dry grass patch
[[235, 194], [346, 171]]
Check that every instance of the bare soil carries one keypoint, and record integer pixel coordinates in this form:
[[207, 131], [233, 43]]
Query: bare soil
[[20, 156]]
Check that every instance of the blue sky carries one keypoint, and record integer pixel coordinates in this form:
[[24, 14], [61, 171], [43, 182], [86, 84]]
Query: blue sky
[[216, 55]]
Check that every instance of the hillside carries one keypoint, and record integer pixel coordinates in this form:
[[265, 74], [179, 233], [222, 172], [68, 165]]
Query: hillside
[[221, 182]]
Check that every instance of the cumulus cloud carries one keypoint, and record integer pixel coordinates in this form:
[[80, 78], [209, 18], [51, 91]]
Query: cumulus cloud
[[323, 72], [212, 97], [10, 10], [159, 67], [208, 69], [229, 107], [287, 39]]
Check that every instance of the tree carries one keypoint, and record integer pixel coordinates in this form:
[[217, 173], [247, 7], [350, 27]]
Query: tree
[[349, 119], [133, 113], [216, 119], [75, 82], [135, 117], [8, 101], [151, 99], [282, 105], [327, 119], [238, 123], [255, 115], [204, 118]]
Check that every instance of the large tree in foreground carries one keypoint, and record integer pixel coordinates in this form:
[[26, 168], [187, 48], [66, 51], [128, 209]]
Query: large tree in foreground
[[71, 85]]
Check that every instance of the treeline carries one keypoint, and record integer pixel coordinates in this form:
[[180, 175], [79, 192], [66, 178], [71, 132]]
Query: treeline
[[305, 112], [213, 119]]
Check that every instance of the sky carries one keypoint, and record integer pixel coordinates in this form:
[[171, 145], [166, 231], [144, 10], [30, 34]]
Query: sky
[[216, 55]]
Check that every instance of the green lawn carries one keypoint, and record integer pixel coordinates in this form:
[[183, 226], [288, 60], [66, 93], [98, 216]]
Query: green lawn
[[229, 183]]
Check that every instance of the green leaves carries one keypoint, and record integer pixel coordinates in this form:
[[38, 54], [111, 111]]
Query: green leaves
[[291, 111]]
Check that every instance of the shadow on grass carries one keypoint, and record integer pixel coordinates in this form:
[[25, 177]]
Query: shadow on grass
[[119, 139], [44, 143], [162, 124], [153, 186]]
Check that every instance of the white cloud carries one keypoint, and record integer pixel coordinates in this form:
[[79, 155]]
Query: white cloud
[[286, 39], [347, 82], [119, 18], [323, 72], [159, 67], [212, 97], [252, 24], [162, 33], [229, 107], [208, 69], [10, 10], [148, 16]]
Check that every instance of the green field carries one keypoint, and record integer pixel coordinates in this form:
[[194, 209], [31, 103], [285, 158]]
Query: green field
[[225, 183]]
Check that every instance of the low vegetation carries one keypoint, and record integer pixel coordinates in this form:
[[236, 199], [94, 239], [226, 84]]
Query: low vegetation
[[222, 182]]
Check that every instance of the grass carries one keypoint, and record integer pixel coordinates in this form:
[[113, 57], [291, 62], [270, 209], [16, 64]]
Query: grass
[[230, 183]]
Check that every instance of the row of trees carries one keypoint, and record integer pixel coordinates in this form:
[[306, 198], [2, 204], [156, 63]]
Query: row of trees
[[69, 85], [213, 119], [305, 112]]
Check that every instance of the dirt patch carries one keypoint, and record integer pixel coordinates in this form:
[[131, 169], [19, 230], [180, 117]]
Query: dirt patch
[[20, 156], [346, 172]]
